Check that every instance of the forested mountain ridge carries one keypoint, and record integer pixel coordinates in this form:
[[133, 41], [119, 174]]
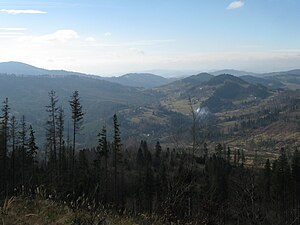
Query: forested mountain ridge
[[237, 73], [266, 81], [18, 68], [242, 110], [282, 73], [216, 92], [198, 138], [148, 80], [28, 95], [151, 112], [145, 80]]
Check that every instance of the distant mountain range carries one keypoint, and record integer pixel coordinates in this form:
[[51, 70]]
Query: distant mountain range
[[146, 103], [237, 73], [145, 80], [150, 80], [19, 68], [218, 93], [240, 73]]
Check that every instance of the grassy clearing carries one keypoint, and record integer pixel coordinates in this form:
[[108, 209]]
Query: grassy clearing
[[26, 211]]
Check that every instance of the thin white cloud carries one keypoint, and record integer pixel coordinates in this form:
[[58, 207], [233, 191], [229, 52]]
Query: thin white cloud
[[12, 29], [108, 34], [235, 5], [21, 11], [134, 44], [137, 51], [57, 36], [7, 36], [73, 52], [90, 39], [10, 33]]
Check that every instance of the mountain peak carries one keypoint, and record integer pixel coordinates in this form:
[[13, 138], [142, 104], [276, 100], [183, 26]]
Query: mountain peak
[[223, 78], [233, 72], [199, 78], [19, 68], [146, 80]]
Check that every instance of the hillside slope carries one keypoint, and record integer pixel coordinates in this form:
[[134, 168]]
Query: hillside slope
[[100, 99], [145, 80], [19, 68]]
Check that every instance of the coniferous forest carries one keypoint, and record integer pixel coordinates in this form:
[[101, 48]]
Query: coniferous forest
[[170, 185]]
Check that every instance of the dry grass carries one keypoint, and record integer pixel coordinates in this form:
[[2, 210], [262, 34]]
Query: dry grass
[[25, 211]]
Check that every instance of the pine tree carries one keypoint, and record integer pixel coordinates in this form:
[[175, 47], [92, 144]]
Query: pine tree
[[219, 150], [157, 159], [296, 182], [205, 150], [140, 160], [228, 154], [60, 133], [77, 117], [5, 135], [267, 180], [281, 183], [243, 158], [32, 152], [13, 128], [161, 185], [149, 188], [140, 163], [296, 166], [116, 156], [52, 109], [234, 158], [157, 149], [102, 153], [193, 129], [23, 142], [82, 180], [146, 152]]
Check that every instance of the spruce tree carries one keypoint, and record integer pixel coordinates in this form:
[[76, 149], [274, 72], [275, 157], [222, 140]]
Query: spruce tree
[[52, 110], [5, 135], [157, 159], [32, 152], [157, 149], [281, 183], [146, 152], [219, 150], [77, 118], [82, 180], [60, 134], [296, 182], [102, 153], [205, 150], [149, 188], [23, 143], [228, 154], [267, 180], [13, 127], [117, 156]]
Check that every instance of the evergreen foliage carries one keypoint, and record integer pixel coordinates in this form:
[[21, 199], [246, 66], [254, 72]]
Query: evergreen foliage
[[149, 179]]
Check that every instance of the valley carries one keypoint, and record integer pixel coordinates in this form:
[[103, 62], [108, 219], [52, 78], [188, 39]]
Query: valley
[[149, 112], [166, 148], [237, 109]]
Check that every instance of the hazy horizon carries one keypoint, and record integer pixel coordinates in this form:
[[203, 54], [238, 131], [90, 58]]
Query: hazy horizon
[[160, 72], [115, 37]]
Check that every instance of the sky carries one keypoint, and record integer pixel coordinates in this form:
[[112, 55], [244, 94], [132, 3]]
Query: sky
[[108, 37]]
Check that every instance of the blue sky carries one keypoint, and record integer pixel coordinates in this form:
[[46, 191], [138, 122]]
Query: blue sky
[[119, 36]]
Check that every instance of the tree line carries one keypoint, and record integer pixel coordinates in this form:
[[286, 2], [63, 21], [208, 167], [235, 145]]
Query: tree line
[[210, 186]]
